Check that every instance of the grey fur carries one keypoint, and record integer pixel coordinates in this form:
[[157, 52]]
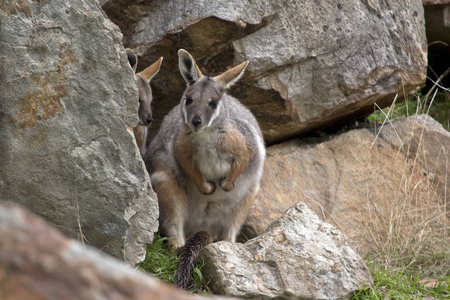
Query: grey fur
[[214, 213], [145, 112]]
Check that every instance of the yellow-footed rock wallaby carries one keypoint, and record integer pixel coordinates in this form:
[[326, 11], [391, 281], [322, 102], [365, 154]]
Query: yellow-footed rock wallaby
[[143, 79], [207, 159]]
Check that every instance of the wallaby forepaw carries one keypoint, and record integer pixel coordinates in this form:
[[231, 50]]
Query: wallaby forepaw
[[207, 188], [227, 185]]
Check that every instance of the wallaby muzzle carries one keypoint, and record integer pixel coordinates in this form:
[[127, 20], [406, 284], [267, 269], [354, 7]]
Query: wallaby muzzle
[[196, 121]]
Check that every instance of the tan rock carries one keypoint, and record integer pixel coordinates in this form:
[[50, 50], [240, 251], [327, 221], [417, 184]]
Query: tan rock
[[355, 179], [37, 262]]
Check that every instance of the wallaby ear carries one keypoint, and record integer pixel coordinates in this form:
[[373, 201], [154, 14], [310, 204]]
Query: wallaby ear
[[132, 58], [188, 67], [231, 76], [151, 71]]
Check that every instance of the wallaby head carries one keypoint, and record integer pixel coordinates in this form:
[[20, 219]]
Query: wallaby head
[[143, 79], [203, 99]]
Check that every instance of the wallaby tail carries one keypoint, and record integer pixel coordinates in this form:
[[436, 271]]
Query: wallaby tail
[[188, 256]]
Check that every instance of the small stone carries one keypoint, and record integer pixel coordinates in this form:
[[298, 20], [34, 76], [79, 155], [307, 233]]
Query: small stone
[[298, 257]]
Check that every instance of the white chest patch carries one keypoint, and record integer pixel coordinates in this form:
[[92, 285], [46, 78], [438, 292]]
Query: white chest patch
[[211, 162]]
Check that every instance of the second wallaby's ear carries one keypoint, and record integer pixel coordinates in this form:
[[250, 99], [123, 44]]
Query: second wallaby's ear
[[151, 71], [188, 67], [231, 76], [132, 58]]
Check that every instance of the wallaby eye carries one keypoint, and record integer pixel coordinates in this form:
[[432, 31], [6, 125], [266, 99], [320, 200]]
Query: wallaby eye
[[213, 104], [188, 100], [140, 100]]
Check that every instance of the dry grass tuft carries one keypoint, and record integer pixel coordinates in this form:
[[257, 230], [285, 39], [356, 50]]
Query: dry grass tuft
[[411, 229]]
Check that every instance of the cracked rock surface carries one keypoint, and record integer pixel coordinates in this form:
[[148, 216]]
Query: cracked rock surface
[[312, 63], [67, 93], [297, 257]]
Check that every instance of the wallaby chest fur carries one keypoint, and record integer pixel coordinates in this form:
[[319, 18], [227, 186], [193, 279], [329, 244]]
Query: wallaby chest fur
[[206, 161], [213, 163]]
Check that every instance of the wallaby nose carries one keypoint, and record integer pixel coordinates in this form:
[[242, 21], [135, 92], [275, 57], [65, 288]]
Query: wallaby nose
[[196, 121], [149, 120]]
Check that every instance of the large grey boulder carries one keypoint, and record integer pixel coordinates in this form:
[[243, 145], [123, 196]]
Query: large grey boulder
[[363, 181], [312, 63], [298, 257], [67, 94], [38, 262]]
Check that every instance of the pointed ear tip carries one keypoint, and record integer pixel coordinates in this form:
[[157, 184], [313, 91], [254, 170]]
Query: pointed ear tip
[[242, 65]]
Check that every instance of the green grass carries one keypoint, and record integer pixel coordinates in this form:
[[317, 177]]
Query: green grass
[[400, 284], [160, 262], [403, 283], [399, 110], [435, 103]]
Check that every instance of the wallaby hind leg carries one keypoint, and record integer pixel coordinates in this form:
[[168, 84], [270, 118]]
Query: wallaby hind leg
[[172, 201], [237, 217]]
